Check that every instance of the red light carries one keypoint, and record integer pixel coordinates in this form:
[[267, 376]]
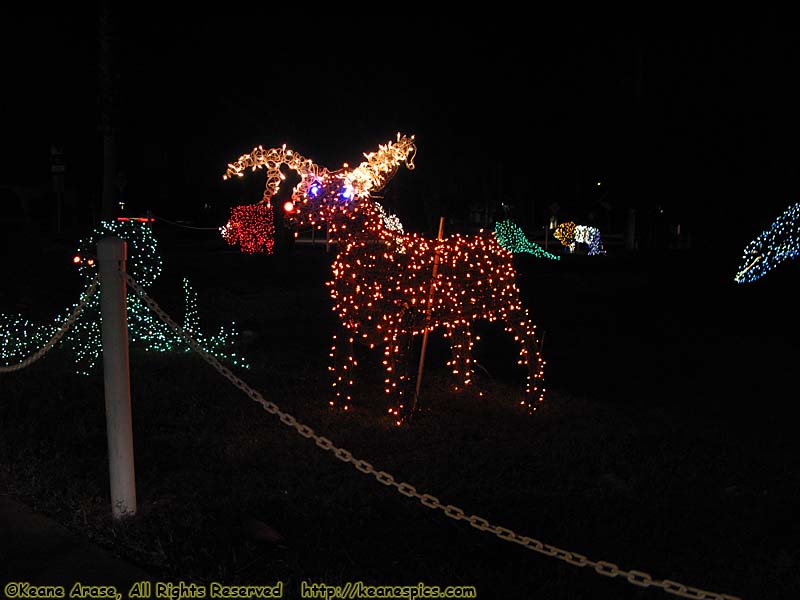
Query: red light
[[76, 259], [288, 206], [90, 262]]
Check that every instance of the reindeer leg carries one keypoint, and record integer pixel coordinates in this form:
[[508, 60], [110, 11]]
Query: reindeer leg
[[342, 366], [461, 364], [524, 331], [395, 362], [402, 353]]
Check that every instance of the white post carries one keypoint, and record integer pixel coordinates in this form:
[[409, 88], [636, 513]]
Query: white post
[[111, 255]]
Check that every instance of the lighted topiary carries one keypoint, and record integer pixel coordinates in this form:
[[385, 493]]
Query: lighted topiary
[[21, 337], [252, 227], [570, 234], [513, 239], [774, 246]]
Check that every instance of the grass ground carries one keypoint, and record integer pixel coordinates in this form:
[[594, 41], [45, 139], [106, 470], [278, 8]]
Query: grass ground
[[665, 445]]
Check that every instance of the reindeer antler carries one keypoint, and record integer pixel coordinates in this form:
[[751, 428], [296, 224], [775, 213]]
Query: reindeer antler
[[272, 160], [375, 172], [370, 175]]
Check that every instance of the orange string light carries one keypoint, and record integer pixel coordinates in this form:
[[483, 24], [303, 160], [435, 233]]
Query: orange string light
[[388, 286]]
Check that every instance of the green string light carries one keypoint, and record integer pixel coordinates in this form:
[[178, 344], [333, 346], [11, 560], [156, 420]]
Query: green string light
[[21, 337], [511, 237]]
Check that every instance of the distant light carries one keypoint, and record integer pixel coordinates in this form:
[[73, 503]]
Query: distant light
[[599, 183], [76, 259], [288, 206]]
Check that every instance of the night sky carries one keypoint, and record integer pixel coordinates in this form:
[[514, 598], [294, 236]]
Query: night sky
[[689, 113]]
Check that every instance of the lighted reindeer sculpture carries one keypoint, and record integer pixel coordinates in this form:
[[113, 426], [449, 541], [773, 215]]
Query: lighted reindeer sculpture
[[389, 285]]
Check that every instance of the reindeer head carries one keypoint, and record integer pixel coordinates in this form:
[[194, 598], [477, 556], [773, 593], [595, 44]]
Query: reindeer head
[[321, 195], [325, 201], [775, 245]]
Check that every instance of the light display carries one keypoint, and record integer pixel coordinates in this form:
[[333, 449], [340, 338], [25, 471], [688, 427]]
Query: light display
[[252, 226], [570, 234], [308, 197], [512, 238], [774, 246], [20, 337], [382, 284]]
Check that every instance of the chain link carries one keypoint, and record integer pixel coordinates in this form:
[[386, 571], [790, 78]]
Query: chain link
[[607, 569], [88, 292]]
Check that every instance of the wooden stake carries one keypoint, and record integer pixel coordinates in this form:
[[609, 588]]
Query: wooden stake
[[427, 318]]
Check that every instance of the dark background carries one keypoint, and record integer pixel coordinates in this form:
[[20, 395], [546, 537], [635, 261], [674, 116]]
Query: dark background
[[688, 117]]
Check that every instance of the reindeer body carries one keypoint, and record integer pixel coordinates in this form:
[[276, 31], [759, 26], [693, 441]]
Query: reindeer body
[[385, 293], [384, 289]]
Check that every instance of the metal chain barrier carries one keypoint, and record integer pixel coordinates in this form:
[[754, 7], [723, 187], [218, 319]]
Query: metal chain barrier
[[606, 569], [59, 334]]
